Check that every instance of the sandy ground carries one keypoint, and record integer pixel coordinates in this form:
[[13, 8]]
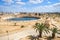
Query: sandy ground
[[16, 32], [20, 34]]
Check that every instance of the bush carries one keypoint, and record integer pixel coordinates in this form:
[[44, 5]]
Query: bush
[[22, 26]]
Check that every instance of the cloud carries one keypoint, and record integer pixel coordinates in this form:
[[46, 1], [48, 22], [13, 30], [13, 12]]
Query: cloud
[[35, 1], [8, 1], [13, 8], [47, 8], [21, 3], [18, 8], [57, 4], [48, 1], [17, 0]]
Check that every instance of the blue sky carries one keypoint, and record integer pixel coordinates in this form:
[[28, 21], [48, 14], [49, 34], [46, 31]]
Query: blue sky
[[29, 5]]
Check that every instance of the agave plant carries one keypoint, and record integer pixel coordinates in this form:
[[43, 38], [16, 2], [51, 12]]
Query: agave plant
[[54, 31], [33, 37], [40, 28]]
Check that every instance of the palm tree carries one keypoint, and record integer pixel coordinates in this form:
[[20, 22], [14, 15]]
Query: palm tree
[[54, 31], [40, 28]]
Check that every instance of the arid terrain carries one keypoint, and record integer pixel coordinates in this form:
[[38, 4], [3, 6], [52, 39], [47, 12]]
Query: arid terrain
[[19, 30]]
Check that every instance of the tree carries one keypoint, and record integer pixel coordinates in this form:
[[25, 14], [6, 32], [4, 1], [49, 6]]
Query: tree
[[35, 13], [40, 28], [39, 14], [54, 31]]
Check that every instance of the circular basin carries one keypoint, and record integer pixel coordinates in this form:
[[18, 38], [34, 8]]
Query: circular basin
[[23, 19]]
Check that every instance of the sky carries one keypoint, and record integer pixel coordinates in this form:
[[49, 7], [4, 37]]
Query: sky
[[29, 5]]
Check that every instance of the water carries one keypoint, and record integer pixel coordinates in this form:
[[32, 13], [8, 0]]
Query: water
[[23, 19]]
